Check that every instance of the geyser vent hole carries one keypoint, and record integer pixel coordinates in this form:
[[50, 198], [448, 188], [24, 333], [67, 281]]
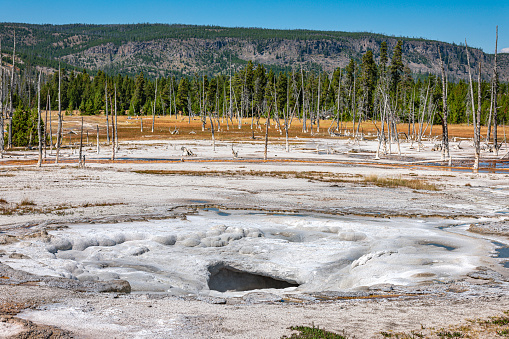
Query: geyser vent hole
[[224, 278]]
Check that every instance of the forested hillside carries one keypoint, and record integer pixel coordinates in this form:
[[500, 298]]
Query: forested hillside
[[388, 82], [163, 50]]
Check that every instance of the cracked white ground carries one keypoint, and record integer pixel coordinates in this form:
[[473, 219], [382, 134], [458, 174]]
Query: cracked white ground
[[256, 252]]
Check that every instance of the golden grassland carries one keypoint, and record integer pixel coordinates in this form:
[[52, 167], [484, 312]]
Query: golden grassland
[[129, 128]]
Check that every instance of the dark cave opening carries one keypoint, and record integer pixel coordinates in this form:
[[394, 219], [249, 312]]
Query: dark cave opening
[[224, 278]]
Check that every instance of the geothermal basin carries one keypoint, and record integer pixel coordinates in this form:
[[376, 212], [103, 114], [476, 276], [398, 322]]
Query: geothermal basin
[[217, 252]]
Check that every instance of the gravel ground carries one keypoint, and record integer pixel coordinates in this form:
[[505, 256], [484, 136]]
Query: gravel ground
[[60, 195]]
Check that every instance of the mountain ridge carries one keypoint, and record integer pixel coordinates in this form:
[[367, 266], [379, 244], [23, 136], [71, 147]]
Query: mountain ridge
[[163, 49]]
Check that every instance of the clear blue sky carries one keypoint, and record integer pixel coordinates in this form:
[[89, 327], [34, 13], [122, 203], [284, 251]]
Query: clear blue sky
[[450, 21]]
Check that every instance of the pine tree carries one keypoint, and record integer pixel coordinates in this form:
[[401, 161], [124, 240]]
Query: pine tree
[[368, 81], [396, 67], [383, 56]]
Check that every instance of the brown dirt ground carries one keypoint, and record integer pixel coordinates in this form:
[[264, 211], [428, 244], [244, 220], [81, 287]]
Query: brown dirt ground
[[129, 129]]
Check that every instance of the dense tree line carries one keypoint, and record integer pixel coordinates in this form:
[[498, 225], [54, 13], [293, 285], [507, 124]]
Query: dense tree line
[[364, 90]]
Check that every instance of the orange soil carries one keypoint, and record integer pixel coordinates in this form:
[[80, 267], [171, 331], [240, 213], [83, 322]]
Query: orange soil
[[130, 129]]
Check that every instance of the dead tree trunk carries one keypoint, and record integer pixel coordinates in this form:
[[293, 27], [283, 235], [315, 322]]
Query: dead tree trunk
[[98, 146], [81, 162], [267, 122], [59, 129], [477, 132], [488, 132], [9, 136], [106, 111], [304, 127], [474, 118], [445, 133], [39, 161], [50, 126], [116, 122], [45, 134], [212, 131], [2, 146], [154, 109], [495, 93], [112, 139], [318, 106]]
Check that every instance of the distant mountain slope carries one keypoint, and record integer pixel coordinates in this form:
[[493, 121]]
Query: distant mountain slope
[[160, 50]]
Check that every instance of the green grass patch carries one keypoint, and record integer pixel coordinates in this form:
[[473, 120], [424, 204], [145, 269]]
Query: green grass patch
[[306, 332], [500, 321]]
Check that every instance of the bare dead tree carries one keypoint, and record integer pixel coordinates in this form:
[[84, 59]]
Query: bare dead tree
[[98, 147], [488, 132], [494, 99], [474, 117], [2, 146], [477, 131], [212, 131], [50, 127], [267, 122], [304, 127], [318, 107], [116, 122], [106, 111], [39, 161], [59, 129], [45, 134], [154, 109], [9, 136], [81, 162], [338, 105], [112, 139], [445, 132]]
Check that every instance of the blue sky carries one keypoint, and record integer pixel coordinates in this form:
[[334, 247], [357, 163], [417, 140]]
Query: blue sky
[[450, 21]]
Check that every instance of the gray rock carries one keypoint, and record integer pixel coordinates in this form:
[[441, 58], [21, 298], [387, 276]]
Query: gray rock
[[351, 236], [167, 240], [261, 297]]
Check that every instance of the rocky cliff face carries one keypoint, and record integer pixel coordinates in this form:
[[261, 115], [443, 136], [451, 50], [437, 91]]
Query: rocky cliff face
[[161, 50], [189, 56]]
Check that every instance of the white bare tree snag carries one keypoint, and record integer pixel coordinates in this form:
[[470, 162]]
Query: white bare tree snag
[[267, 122], [116, 122], [59, 129], [106, 111], [304, 127], [45, 134], [50, 127], [212, 131], [97, 126], [495, 93], [477, 130], [318, 108], [474, 117], [81, 162], [9, 136], [39, 161], [2, 146], [445, 132], [154, 109], [112, 139]]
